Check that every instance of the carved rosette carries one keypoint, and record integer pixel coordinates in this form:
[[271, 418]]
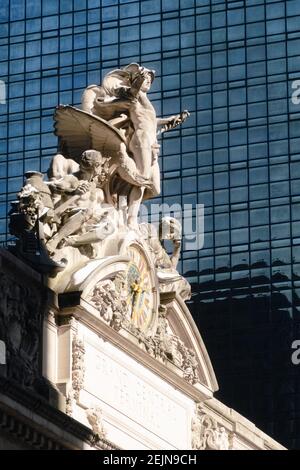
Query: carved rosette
[[207, 433]]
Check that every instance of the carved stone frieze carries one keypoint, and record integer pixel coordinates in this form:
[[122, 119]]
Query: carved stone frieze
[[177, 284], [20, 329], [34, 428], [110, 299], [189, 364]]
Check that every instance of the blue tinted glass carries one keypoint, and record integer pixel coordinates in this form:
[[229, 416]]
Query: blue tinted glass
[[50, 22], [50, 8], [33, 8], [170, 5], [17, 9], [4, 10]]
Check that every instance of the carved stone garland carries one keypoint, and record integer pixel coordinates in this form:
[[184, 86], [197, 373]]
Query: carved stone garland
[[78, 371], [110, 301]]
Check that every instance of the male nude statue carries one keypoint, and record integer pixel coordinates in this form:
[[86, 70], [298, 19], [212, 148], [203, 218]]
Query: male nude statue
[[124, 92]]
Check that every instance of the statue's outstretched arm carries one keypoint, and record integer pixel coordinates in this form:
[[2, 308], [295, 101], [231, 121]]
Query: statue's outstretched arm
[[171, 122], [164, 121]]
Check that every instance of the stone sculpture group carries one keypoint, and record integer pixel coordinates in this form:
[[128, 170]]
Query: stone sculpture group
[[87, 210], [121, 350], [106, 166]]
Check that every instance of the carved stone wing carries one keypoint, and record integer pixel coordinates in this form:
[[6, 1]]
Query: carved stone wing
[[79, 131]]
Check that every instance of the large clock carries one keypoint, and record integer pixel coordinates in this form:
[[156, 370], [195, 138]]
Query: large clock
[[141, 289]]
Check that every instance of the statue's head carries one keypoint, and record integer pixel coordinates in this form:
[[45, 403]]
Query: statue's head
[[91, 161], [136, 70]]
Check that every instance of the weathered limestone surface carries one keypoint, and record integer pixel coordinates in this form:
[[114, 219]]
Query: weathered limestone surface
[[32, 410], [92, 307]]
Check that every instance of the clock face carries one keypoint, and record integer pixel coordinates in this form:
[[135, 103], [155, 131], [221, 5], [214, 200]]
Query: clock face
[[140, 288]]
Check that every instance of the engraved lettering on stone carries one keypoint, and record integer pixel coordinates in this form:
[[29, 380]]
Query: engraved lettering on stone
[[147, 406]]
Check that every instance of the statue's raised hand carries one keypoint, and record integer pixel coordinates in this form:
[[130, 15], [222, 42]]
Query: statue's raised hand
[[175, 121]]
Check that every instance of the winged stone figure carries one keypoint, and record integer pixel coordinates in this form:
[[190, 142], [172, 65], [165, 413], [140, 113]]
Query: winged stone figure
[[106, 165], [118, 119]]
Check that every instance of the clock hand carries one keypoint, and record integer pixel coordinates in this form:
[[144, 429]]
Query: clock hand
[[135, 291]]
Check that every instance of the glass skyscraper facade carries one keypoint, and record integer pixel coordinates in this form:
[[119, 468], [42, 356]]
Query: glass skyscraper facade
[[234, 65]]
